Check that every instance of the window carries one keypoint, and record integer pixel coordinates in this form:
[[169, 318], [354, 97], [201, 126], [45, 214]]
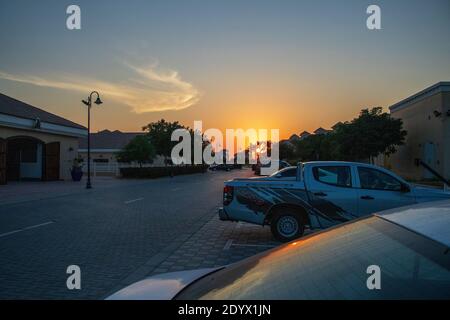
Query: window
[[333, 264], [377, 180], [335, 175]]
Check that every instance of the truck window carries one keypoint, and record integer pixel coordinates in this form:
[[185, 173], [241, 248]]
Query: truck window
[[377, 180], [335, 175]]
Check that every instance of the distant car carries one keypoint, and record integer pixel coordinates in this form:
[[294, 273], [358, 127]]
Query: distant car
[[321, 194], [237, 166], [221, 167], [278, 165], [408, 247]]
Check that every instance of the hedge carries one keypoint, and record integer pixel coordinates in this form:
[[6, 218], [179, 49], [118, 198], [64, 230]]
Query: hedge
[[158, 172]]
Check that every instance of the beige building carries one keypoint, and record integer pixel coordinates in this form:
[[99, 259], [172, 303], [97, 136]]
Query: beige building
[[105, 145], [426, 117], [35, 144]]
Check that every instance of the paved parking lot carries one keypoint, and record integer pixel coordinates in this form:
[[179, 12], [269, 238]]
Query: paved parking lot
[[17, 192], [218, 243], [119, 234]]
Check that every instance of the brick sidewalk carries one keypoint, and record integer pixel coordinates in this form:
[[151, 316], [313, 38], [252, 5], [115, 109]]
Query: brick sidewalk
[[218, 243]]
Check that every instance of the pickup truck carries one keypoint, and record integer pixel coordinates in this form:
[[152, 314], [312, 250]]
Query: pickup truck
[[319, 195]]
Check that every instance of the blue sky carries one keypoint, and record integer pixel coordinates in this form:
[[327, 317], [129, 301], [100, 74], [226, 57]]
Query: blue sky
[[293, 65]]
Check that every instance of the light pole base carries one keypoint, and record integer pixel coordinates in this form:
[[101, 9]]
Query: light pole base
[[88, 185]]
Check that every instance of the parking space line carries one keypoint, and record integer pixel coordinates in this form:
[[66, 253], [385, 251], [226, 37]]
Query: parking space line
[[26, 228], [228, 244], [134, 200]]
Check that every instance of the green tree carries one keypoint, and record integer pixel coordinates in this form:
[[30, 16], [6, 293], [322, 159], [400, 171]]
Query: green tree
[[287, 150], [160, 134], [139, 149], [313, 148], [373, 133]]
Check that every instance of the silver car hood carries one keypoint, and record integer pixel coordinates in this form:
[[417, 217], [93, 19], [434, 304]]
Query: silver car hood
[[160, 287]]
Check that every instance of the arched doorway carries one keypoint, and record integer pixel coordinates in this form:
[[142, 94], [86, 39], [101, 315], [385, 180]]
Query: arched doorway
[[24, 158]]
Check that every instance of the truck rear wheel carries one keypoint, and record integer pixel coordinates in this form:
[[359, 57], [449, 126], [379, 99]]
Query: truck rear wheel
[[287, 225]]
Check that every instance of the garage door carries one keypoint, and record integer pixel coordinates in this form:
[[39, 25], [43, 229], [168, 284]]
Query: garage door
[[52, 161], [2, 161]]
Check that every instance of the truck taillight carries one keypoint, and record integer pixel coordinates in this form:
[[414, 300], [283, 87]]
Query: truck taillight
[[227, 195]]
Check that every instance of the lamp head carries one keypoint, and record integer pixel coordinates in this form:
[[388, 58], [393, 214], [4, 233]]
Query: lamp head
[[98, 101]]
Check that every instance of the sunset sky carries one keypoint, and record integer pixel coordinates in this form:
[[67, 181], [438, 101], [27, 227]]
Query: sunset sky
[[292, 65]]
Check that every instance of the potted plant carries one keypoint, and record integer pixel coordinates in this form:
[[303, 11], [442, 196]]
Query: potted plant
[[76, 170]]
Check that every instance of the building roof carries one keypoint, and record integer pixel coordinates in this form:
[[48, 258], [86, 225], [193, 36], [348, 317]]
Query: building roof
[[443, 86], [16, 108], [321, 131], [109, 140], [336, 125]]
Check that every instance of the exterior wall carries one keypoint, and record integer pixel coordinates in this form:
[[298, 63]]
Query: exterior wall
[[68, 146], [111, 168], [446, 135], [111, 156], [424, 128], [99, 155]]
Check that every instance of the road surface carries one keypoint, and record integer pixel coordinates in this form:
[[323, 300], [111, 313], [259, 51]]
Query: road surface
[[115, 235]]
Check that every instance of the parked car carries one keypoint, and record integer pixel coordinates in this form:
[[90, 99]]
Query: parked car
[[322, 194], [409, 246], [278, 165], [221, 167], [237, 166]]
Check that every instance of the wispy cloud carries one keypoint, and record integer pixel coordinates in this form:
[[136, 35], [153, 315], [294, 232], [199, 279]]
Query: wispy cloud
[[148, 90]]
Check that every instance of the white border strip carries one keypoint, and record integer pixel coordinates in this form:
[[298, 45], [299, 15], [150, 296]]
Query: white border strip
[[26, 228], [28, 124], [134, 200]]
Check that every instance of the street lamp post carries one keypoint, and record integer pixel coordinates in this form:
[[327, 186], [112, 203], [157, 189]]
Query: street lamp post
[[89, 104]]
